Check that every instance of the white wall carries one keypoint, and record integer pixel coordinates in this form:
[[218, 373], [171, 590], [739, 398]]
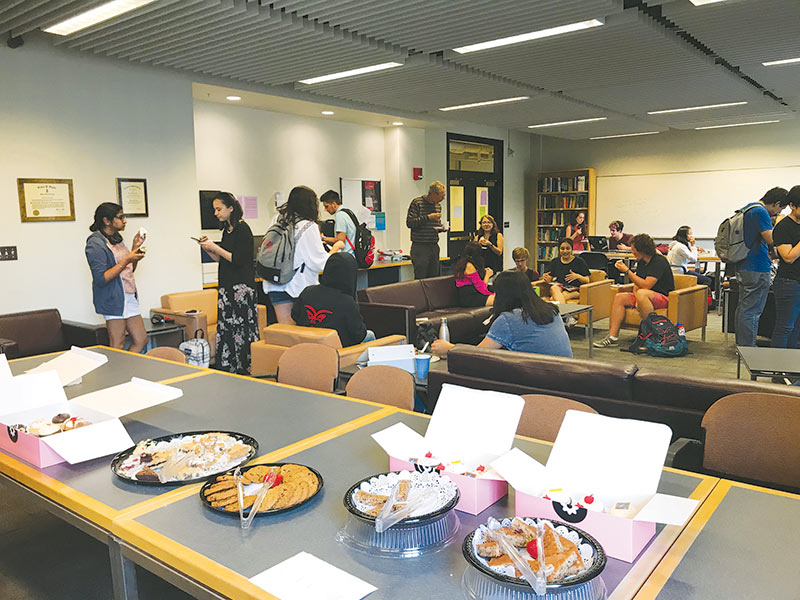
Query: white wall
[[76, 117]]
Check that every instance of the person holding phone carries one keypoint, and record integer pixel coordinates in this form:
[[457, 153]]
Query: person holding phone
[[113, 286], [237, 315]]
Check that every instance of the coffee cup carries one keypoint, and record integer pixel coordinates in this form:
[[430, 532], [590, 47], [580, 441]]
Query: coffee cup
[[423, 362]]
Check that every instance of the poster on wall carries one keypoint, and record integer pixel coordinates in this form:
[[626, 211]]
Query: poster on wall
[[456, 208], [132, 196], [371, 195], [249, 206], [481, 204], [46, 200]]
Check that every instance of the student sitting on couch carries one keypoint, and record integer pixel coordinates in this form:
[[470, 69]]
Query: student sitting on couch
[[472, 278], [566, 273]]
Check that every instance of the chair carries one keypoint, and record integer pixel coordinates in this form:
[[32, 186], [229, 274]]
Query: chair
[[688, 305], [167, 353], [312, 366], [42, 331], [383, 384], [596, 293], [749, 436], [542, 415], [595, 260]]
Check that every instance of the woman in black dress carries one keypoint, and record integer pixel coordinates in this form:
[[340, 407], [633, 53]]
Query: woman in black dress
[[491, 241], [237, 316]]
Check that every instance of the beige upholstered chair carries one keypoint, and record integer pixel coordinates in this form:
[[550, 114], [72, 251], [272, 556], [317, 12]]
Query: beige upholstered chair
[[167, 353], [542, 415], [312, 366], [383, 384], [596, 293]]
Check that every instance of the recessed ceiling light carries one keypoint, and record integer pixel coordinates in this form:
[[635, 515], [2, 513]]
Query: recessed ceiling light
[[351, 73], [533, 35], [486, 103], [233, 98], [738, 124], [557, 123], [704, 2], [104, 12], [690, 108], [327, 112], [397, 123], [785, 61], [619, 135]]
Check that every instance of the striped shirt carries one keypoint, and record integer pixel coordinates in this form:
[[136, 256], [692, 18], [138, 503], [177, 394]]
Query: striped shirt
[[422, 228]]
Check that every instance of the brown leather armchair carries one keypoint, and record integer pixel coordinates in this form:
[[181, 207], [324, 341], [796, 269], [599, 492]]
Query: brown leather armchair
[[41, 331], [596, 293]]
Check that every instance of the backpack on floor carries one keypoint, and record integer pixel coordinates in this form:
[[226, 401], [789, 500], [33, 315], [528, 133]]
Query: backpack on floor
[[197, 351], [364, 245], [729, 243], [658, 336], [275, 258]]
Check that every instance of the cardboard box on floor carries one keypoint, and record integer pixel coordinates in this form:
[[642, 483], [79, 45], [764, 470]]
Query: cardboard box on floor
[[600, 464], [468, 429]]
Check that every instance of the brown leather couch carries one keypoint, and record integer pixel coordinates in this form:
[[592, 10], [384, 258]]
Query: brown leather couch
[[395, 308], [614, 390], [41, 331]]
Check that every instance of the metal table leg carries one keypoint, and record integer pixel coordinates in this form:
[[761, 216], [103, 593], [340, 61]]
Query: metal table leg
[[738, 365], [123, 573], [590, 328]]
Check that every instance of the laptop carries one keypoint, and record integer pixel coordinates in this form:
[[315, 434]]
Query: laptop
[[598, 243]]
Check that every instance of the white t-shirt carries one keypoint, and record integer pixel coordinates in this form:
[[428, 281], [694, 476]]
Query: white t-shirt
[[309, 259], [343, 223], [680, 255]]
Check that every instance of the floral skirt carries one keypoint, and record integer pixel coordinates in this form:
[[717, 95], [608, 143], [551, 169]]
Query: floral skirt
[[237, 327]]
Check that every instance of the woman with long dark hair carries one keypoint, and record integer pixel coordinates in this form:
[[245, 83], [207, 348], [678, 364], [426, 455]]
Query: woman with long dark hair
[[521, 321], [472, 278], [302, 210], [237, 315], [491, 243], [683, 253], [577, 233], [566, 273], [113, 286]]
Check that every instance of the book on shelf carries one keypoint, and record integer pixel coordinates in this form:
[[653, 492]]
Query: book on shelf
[[562, 184], [554, 201]]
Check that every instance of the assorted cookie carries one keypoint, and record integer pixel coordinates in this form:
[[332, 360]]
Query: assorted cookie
[[60, 422]]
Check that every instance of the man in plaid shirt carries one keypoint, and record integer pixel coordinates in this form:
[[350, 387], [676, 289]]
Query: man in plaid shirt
[[424, 219]]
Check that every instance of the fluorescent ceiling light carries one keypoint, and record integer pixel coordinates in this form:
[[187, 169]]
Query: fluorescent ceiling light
[[593, 119], [619, 135], [487, 103], [785, 61], [533, 35], [233, 98], [327, 112], [690, 108], [351, 73], [397, 123], [104, 12], [738, 124], [704, 2]]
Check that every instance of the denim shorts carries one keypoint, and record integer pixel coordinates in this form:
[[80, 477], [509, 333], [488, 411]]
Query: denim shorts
[[279, 298]]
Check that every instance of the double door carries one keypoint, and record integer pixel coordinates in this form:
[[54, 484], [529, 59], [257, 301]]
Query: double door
[[471, 196]]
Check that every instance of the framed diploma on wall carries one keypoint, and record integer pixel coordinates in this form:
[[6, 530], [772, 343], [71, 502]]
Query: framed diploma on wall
[[132, 196], [46, 200]]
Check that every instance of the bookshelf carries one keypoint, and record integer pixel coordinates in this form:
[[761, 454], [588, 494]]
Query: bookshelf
[[560, 195]]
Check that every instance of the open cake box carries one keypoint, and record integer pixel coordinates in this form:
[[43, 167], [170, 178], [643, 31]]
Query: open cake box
[[33, 396], [468, 429], [602, 475]]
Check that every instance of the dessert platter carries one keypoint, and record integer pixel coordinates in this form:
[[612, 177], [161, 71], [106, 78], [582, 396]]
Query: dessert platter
[[57, 424], [181, 458], [291, 486]]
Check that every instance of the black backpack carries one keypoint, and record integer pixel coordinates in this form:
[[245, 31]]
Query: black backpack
[[658, 336], [364, 244]]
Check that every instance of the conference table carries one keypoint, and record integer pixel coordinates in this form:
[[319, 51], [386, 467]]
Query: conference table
[[169, 532]]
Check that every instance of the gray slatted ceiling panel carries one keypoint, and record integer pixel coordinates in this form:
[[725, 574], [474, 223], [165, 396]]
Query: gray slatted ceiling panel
[[433, 25]]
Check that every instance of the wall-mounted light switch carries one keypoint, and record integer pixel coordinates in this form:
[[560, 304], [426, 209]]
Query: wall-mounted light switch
[[8, 253]]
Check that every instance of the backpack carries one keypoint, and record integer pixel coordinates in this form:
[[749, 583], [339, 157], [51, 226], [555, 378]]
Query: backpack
[[275, 258], [729, 243], [196, 350], [658, 336], [364, 244]]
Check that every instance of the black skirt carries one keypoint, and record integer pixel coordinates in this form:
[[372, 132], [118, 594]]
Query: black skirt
[[237, 327], [469, 297]]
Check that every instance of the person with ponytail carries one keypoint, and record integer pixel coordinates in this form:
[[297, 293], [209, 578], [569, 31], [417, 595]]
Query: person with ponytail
[[237, 315], [113, 286]]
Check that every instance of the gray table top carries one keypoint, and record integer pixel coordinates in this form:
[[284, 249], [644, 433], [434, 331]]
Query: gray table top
[[566, 310], [743, 551], [770, 360], [342, 461], [274, 415], [121, 366]]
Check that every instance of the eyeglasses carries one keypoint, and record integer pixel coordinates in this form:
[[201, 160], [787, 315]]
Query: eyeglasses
[[120, 217]]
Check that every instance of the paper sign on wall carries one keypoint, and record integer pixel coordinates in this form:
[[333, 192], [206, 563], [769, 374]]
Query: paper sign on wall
[[249, 206]]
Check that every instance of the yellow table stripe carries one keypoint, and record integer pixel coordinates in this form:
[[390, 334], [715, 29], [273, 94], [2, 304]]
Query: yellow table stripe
[[183, 377]]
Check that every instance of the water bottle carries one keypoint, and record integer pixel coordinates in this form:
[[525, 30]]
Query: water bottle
[[444, 331]]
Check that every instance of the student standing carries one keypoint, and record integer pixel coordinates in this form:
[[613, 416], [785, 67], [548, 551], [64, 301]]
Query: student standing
[[424, 219], [344, 228], [753, 272], [576, 232], [491, 242], [786, 236]]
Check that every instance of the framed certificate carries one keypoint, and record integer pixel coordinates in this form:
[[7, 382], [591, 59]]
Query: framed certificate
[[132, 196], [46, 200]]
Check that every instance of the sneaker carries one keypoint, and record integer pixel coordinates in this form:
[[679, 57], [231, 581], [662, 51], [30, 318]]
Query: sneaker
[[571, 321], [607, 342]]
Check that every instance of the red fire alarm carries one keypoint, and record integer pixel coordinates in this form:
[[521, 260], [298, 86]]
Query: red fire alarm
[[417, 173]]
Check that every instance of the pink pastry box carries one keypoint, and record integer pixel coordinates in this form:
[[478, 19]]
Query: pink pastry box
[[602, 475], [468, 429]]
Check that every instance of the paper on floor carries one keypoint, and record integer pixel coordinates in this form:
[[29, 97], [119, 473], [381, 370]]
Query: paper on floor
[[306, 577]]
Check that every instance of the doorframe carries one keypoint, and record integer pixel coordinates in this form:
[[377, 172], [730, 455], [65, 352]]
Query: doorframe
[[498, 166]]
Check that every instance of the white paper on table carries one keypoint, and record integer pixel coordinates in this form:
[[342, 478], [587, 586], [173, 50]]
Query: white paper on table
[[72, 365], [524, 473], [664, 508], [400, 356], [94, 441], [126, 398], [306, 577], [401, 441], [610, 457], [30, 390], [5, 370], [473, 425]]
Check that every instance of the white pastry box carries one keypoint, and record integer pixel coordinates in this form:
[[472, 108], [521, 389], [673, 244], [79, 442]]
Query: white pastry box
[[401, 356], [33, 396], [468, 429], [602, 475]]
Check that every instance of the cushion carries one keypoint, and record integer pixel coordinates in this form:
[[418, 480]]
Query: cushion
[[201, 300], [440, 291], [460, 324], [281, 334], [408, 293]]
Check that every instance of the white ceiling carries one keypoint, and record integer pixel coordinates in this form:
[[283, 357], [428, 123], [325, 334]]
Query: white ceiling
[[649, 55]]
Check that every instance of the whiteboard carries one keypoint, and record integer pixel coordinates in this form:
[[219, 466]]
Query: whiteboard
[[660, 203]]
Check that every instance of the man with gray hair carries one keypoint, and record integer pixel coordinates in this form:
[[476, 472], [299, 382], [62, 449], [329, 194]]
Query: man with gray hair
[[424, 219]]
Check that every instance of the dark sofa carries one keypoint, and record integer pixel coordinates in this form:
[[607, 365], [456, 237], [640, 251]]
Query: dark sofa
[[611, 389], [395, 308], [41, 331]]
